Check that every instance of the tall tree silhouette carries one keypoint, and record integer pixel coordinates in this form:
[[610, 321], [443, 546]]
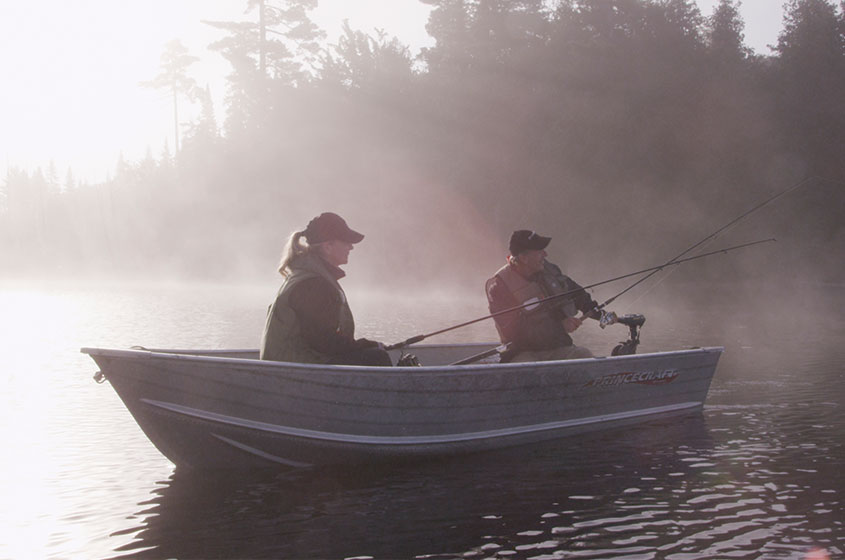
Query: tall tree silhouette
[[173, 76], [280, 49], [472, 33], [448, 25], [684, 17], [360, 61], [811, 34], [640, 109], [204, 130], [502, 29], [811, 75], [726, 36]]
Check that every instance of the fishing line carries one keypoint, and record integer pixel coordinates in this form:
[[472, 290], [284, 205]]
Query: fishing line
[[676, 261], [651, 271], [710, 237]]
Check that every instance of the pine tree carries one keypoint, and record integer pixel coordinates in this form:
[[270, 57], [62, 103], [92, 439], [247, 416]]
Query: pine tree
[[278, 50], [811, 74], [448, 24], [726, 37], [70, 184], [173, 76], [362, 62]]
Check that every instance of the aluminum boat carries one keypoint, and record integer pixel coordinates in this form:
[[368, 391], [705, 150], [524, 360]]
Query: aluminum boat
[[228, 409]]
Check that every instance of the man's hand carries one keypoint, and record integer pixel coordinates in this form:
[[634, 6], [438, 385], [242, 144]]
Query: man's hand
[[571, 324]]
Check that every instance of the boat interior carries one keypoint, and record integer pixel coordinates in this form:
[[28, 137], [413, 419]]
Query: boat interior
[[425, 354]]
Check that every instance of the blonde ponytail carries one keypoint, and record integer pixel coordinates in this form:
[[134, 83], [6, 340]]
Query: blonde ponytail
[[293, 249]]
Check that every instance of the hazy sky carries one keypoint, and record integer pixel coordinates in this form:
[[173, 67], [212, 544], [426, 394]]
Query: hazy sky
[[71, 70]]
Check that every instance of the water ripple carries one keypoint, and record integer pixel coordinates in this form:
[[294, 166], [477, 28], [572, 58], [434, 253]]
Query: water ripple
[[756, 475]]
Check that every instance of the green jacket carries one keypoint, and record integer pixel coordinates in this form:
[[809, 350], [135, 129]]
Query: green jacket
[[282, 340]]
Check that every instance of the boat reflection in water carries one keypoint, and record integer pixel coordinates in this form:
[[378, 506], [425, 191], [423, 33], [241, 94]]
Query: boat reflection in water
[[227, 409], [475, 504]]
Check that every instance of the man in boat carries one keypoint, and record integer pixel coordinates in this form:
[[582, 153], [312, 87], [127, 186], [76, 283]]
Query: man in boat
[[542, 331], [310, 320]]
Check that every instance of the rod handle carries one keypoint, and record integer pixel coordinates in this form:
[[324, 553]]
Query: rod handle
[[404, 343]]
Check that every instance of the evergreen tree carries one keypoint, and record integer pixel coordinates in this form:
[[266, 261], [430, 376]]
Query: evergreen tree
[[280, 49], [362, 62], [478, 33], [204, 130], [502, 29], [289, 20], [812, 36], [166, 158], [448, 25], [726, 37], [51, 178], [811, 78], [685, 16], [173, 76], [70, 184], [4, 193]]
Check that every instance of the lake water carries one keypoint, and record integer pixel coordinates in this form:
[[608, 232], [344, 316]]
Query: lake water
[[760, 473]]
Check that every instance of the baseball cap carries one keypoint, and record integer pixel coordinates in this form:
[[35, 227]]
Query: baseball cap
[[328, 226], [526, 240]]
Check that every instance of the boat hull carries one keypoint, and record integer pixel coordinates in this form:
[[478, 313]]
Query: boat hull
[[226, 410]]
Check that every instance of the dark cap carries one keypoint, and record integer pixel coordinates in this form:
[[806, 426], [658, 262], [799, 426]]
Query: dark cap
[[330, 227], [525, 240]]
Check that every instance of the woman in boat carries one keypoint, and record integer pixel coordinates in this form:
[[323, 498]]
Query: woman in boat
[[310, 320], [537, 332]]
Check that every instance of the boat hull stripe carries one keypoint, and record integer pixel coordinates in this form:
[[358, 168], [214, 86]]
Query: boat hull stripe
[[412, 440], [262, 454]]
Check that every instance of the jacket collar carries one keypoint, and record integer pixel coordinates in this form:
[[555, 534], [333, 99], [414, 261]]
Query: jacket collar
[[315, 263]]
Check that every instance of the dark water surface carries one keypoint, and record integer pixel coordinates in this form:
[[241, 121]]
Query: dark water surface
[[759, 474]]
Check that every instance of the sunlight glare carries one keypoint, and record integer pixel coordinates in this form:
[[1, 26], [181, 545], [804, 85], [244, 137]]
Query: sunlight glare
[[31, 425]]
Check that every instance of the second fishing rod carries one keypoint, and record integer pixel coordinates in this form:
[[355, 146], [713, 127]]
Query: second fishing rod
[[713, 235], [421, 337], [651, 271]]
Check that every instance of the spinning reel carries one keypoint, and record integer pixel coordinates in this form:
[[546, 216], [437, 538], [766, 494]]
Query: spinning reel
[[408, 360], [633, 322]]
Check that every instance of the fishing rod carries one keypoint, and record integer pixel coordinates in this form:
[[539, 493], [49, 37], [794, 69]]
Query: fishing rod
[[674, 262], [705, 240]]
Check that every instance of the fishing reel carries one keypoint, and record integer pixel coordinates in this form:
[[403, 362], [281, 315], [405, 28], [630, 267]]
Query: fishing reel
[[408, 360], [634, 322]]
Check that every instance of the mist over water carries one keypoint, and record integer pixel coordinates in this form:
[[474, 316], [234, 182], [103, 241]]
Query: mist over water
[[624, 134], [627, 135], [756, 474]]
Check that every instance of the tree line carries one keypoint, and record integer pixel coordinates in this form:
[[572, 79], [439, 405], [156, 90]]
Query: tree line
[[599, 122]]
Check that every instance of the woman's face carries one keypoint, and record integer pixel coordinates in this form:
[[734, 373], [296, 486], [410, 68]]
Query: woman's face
[[336, 252]]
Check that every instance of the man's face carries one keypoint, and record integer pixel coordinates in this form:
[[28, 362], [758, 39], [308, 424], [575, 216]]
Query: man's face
[[532, 261]]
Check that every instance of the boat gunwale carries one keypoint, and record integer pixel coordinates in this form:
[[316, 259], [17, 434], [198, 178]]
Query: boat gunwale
[[186, 355]]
